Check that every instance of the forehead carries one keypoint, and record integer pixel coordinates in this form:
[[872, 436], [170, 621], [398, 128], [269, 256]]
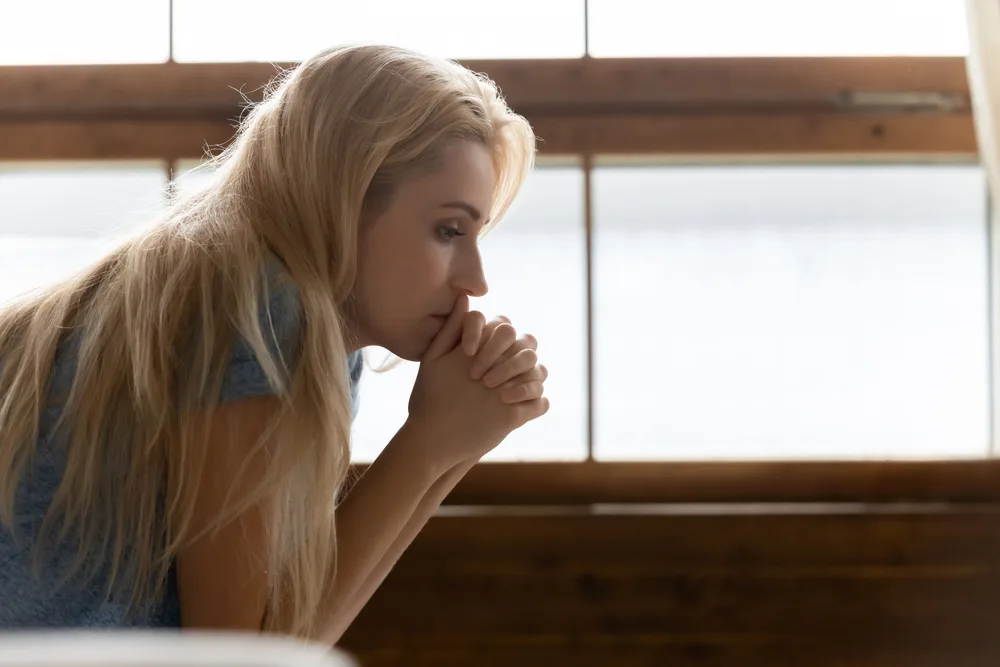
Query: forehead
[[463, 170]]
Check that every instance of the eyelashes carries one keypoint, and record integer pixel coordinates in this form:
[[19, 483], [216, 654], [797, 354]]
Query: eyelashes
[[446, 233]]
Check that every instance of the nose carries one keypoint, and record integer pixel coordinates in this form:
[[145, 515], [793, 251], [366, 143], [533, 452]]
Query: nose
[[470, 277]]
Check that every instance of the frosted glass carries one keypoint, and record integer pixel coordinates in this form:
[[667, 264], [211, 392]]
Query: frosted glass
[[788, 312], [56, 219], [72, 32], [263, 30], [737, 28]]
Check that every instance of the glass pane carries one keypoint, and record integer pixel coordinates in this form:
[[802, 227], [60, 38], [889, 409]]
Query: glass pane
[[57, 219], [791, 311], [538, 249], [639, 28], [54, 32], [263, 30]]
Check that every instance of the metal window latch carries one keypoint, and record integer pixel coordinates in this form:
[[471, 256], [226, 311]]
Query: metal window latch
[[903, 101]]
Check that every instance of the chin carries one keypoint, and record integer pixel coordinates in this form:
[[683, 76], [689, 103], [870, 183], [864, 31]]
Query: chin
[[408, 342], [409, 350], [408, 355]]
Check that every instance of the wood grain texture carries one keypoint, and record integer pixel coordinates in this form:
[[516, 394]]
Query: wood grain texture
[[743, 482], [821, 136], [852, 589], [683, 106], [206, 90]]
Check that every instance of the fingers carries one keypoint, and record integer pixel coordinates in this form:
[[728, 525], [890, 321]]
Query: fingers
[[514, 390], [509, 368], [473, 346], [491, 327], [472, 331], [448, 337], [529, 410], [500, 340], [528, 391]]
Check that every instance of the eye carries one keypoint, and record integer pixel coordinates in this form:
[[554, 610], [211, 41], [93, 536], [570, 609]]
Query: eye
[[448, 232]]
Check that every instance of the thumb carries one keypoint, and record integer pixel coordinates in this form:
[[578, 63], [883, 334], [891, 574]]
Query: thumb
[[447, 338]]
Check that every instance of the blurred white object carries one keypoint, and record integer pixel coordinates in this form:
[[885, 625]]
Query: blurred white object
[[162, 649]]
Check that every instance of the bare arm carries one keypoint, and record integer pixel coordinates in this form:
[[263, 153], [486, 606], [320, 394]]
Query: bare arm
[[425, 510], [377, 521], [221, 579]]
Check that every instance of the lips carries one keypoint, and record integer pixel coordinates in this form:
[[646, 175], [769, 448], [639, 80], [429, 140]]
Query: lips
[[446, 314]]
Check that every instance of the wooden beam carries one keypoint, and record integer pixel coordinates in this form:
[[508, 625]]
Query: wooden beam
[[824, 106], [730, 482], [822, 135], [828, 135], [110, 140], [215, 91]]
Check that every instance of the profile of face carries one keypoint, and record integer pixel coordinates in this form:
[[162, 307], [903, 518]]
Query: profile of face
[[419, 254]]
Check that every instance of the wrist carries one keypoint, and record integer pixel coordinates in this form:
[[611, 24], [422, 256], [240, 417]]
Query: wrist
[[423, 448]]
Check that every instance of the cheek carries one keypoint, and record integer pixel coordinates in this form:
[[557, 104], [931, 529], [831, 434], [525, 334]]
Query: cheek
[[419, 265], [399, 280]]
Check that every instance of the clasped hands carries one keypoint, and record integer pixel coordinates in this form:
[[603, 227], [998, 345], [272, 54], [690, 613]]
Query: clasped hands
[[478, 381]]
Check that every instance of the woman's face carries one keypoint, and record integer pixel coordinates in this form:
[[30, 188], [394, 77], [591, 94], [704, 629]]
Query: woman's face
[[421, 252]]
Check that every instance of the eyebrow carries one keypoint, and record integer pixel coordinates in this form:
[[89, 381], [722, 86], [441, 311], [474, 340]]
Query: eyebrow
[[463, 206]]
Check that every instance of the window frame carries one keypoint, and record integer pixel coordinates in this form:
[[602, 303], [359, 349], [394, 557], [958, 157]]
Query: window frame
[[830, 109]]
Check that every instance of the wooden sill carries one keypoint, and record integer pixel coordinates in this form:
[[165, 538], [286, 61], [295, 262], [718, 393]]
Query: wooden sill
[[581, 483]]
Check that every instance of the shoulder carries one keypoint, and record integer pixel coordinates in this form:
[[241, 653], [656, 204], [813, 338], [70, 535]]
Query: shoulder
[[279, 317], [280, 310]]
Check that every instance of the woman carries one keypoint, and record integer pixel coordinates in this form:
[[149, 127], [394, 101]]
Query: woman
[[175, 421]]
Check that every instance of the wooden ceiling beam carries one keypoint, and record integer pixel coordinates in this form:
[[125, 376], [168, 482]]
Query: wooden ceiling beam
[[825, 136], [216, 91]]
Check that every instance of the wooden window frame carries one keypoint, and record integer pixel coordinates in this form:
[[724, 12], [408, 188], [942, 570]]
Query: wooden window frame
[[762, 109], [829, 108]]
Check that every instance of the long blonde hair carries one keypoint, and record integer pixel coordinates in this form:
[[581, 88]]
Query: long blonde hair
[[159, 315]]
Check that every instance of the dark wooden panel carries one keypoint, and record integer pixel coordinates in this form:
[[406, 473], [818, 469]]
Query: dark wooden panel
[[697, 539], [729, 482], [880, 587], [707, 653], [869, 606]]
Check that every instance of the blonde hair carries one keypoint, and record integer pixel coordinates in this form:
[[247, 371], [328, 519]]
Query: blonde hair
[[159, 317]]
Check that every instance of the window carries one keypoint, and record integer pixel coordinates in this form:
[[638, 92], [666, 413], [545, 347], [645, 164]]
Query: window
[[535, 264], [263, 30], [70, 31], [191, 174], [55, 32], [55, 219], [777, 28], [790, 312]]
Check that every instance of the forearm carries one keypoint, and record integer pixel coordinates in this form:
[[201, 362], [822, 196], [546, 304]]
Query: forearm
[[370, 520], [424, 511]]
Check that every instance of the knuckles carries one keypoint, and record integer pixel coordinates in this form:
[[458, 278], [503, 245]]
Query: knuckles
[[506, 331], [528, 358]]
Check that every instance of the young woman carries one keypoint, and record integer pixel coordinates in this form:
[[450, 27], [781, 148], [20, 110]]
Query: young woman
[[175, 420]]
